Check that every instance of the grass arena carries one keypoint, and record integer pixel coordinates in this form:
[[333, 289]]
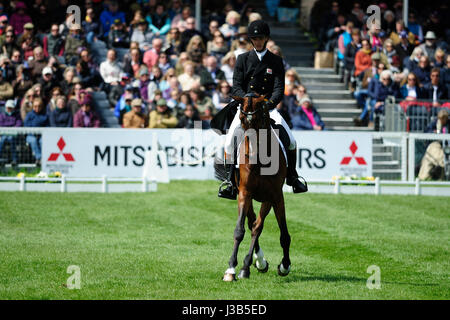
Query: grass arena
[[175, 244]]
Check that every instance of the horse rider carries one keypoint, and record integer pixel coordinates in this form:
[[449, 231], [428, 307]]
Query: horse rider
[[262, 72]]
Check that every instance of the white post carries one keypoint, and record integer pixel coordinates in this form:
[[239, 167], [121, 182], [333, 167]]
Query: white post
[[198, 14], [104, 184], [404, 151], [411, 157], [417, 191], [144, 184], [22, 183], [377, 186], [63, 183], [337, 186]]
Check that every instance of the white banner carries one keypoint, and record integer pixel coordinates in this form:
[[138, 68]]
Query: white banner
[[190, 153]]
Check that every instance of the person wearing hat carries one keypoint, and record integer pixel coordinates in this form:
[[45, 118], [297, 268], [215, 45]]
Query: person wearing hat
[[86, 117], [259, 72], [10, 118], [47, 81], [305, 116], [135, 118], [404, 48], [429, 47], [118, 35], [19, 18], [162, 117], [74, 41]]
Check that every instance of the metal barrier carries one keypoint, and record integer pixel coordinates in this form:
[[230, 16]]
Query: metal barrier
[[411, 116], [16, 147]]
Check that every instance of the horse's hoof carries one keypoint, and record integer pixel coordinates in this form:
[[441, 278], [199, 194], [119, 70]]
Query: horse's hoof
[[282, 271], [244, 274], [264, 269], [229, 277]]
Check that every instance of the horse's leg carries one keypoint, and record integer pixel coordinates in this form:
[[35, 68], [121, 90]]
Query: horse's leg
[[239, 232], [256, 232], [285, 239]]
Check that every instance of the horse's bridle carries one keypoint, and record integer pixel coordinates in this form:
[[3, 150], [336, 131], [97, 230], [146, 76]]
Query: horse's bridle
[[249, 115]]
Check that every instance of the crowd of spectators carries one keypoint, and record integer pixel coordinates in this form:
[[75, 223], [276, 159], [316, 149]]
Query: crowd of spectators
[[160, 70], [409, 62]]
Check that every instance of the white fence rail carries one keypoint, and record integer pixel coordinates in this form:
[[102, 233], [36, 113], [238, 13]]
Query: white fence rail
[[112, 185]]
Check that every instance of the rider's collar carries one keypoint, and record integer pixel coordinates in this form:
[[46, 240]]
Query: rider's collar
[[260, 54]]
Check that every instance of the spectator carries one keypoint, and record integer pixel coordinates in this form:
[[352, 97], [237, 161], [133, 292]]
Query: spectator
[[440, 124], [26, 104], [123, 105], [213, 27], [90, 26], [173, 43], [159, 21], [362, 57], [19, 18], [217, 47], [423, 70], [180, 20], [86, 117], [10, 118], [189, 118], [61, 116], [152, 55], [6, 89], [210, 75], [154, 83], [196, 49], [413, 61], [55, 93], [306, 117], [48, 82], [9, 45], [118, 36], [133, 65], [292, 77], [142, 35], [164, 62], [74, 41], [36, 118], [222, 96], [187, 34], [395, 35], [383, 88], [429, 47], [414, 27], [411, 90], [53, 42], [188, 79], [231, 27], [349, 55], [439, 59], [110, 70], [434, 90], [389, 50], [135, 118], [404, 48], [277, 50], [202, 103], [109, 15], [22, 83], [344, 40], [228, 63], [162, 117]]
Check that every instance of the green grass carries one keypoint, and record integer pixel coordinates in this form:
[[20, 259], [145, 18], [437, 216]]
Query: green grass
[[175, 244]]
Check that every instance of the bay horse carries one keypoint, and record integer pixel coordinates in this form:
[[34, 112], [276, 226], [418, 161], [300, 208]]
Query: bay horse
[[267, 189]]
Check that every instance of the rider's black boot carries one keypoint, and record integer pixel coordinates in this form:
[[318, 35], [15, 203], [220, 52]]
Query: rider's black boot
[[228, 188], [292, 175]]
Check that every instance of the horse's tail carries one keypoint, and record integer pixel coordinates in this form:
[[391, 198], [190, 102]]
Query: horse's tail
[[219, 170]]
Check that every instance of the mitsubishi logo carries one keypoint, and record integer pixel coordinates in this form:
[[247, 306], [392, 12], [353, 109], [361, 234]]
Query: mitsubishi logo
[[61, 145], [360, 160]]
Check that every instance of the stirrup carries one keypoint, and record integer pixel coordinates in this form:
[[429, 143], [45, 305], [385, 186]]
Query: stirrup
[[227, 190], [299, 186]]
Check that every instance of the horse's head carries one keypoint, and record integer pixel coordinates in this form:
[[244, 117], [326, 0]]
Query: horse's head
[[252, 113]]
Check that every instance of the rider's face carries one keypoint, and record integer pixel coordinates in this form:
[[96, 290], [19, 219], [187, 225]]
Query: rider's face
[[258, 42]]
